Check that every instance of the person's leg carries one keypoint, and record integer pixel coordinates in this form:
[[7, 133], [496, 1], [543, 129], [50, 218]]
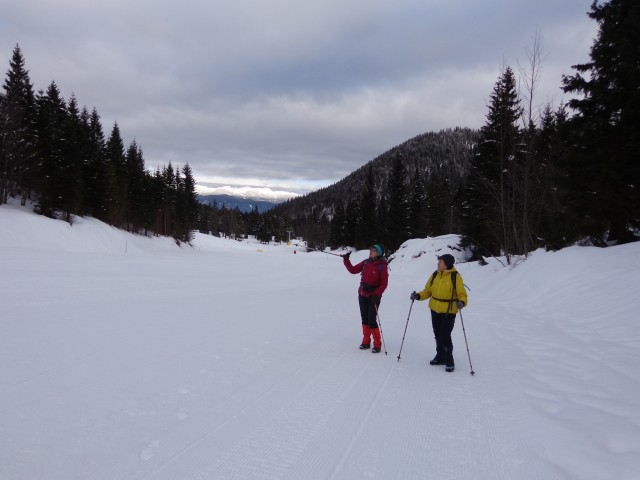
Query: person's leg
[[448, 322], [436, 323], [373, 325], [364, 315]]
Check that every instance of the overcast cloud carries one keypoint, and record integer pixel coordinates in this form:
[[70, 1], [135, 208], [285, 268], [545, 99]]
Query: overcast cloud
[[286, 93]]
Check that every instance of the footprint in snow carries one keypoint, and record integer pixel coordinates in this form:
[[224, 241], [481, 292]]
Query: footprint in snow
[[149, 451]]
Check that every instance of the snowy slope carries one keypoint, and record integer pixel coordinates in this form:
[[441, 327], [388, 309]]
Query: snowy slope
[[132, 358]]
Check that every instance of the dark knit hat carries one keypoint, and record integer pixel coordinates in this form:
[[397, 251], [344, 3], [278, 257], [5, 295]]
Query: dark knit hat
[[448, 260]]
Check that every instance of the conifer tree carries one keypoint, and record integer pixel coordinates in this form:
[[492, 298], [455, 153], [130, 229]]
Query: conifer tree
[[136, 203], [353, 213], [491, 203], [95, 168], [50, 168], [75, 150], [338, 235], [397, 219], [418, 213], [17, 167], [604, 168], [366, 229], [116, 178], [189, 203]]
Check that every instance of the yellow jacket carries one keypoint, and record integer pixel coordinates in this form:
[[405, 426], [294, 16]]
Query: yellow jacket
[[441, 292]]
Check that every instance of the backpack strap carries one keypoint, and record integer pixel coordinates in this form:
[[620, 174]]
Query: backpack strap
[[380, 265]]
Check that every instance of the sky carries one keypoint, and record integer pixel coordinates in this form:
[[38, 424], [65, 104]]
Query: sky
[[286, 94]]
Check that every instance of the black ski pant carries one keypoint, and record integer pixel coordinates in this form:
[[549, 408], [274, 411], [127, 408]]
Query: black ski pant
[[368, 311], [442, 327]]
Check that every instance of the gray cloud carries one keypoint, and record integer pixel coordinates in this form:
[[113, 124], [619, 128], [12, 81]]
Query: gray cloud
[[286, 93]]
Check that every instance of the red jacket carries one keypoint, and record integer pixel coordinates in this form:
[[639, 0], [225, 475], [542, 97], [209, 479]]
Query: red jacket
[[375, 276]]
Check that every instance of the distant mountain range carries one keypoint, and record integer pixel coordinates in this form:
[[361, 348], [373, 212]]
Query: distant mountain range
[[245, 199]]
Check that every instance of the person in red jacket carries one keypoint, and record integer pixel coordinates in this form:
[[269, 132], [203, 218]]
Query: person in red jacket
[[373, 283]]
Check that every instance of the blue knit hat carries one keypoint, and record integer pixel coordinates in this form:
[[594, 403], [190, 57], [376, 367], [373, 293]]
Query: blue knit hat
[[378, 249]]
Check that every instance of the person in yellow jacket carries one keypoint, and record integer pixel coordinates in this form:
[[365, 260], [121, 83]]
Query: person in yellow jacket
[[446, 298]]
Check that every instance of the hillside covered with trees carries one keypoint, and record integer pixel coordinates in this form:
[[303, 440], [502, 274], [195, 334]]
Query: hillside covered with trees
[[529, 177], [55, 155]]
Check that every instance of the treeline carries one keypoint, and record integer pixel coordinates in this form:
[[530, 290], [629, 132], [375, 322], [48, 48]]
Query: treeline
[[55, 154], [527, 179], [233, 223], [407, 192]]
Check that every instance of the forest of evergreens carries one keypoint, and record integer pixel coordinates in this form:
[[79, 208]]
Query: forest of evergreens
[[526, 179]]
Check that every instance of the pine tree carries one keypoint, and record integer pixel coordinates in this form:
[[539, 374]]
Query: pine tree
[[367, 231], [338, 235], [136, 198], [75, 150], [556, 217], [491, 199], [116, 179], [353, 212], [17, 167], [95, 167], [418, 213], [604, 168], [50, 147], [189, 203], [397, 220]]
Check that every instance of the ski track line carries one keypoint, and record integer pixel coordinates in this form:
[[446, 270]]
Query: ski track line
[[285, 446], [60, 366], [200, 461], [346, 415], [286, 443], [363, 423], [130, 470]]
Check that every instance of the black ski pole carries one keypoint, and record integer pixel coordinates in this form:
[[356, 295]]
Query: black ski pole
[[465, 341], [380, 326], [316, 249], [405, 329]]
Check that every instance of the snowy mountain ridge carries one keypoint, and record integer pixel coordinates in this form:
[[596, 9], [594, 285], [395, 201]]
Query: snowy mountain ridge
[[246, 192]]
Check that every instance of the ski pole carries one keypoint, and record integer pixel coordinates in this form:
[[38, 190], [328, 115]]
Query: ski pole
[[405, 329], [380, 326], [465, 341], [316, 249]]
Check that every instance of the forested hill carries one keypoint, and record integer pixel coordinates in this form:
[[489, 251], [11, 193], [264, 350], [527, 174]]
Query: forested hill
[[436, 156]]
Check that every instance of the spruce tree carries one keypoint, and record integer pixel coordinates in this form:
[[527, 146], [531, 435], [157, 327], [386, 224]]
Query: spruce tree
[[491, 204], [75, 151], [116, 179], [397, 220], [418, 213], [367, 231], [353, 213], [136, 196], [604, 167], [17, 167], [189, 203], [337, 234], [95, 168], [51, 169]]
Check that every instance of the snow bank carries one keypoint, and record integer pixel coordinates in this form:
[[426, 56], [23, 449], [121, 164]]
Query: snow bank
[[130, 357]]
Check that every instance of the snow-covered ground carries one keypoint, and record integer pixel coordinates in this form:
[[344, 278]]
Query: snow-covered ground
[[124, 357]]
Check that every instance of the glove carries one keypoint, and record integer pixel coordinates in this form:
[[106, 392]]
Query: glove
[[375, 299], [346, 255], [415, 296], [460, 304]]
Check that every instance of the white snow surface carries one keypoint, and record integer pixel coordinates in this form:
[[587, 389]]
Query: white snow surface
[[125, 357]]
